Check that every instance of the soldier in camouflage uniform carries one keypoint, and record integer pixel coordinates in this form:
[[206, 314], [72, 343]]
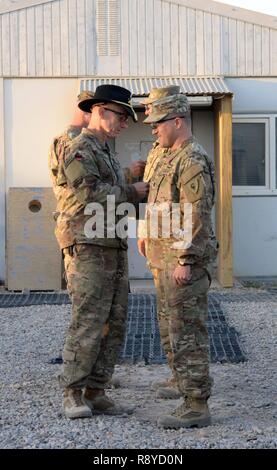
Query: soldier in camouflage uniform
[[61, 143], [185, 177], [96, 266], [167, 389]]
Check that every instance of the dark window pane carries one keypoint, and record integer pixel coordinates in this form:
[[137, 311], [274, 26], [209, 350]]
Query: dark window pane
[[248, 154]]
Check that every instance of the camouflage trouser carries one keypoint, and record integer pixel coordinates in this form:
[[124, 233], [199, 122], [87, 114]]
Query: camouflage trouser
[[97, 280], [182, 314]]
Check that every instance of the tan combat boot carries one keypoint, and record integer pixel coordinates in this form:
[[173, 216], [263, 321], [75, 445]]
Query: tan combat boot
[[99, 403], [192, 413], [168, 389], [73, 404]]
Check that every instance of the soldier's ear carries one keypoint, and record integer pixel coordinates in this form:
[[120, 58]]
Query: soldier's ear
[[178, 122], [101, 111]]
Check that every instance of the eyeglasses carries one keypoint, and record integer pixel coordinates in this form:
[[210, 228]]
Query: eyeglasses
[[123, 116], [155, 124]]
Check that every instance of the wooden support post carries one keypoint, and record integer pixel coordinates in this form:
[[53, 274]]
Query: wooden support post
[[223, 163]]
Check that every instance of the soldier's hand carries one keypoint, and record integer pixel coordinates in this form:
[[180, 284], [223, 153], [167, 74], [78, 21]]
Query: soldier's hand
[[182, 275], [142, 247], [141, 189], [137, 168]]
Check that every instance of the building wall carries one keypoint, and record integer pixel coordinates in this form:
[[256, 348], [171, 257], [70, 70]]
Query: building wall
[[35, 110], [135, 38], [255, 236], [254, 217], [38, 109]]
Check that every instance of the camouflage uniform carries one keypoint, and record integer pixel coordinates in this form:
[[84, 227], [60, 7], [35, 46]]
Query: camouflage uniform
[[96, 268], [184, 176]]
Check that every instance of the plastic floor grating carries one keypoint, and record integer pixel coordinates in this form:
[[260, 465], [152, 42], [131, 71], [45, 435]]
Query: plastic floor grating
[[142, 339]]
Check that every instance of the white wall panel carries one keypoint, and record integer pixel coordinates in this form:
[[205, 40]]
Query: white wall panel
[[56, 39], [266, 51], [154, 37], [158, 39], [142, 37], [200, 38], [39, 40], [208, 45], [133, 34], [166, 43], [6, 44], [217, 44], [14, 44], [191, 34]]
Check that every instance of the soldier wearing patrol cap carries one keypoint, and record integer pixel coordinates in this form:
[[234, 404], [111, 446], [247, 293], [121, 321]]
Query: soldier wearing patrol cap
[[167, 389], [183, 177], [96, 266]]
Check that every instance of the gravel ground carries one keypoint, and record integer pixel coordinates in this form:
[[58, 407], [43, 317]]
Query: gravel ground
[[243, 403]]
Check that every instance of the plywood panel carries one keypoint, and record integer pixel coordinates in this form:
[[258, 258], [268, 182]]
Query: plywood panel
[[33, 257]]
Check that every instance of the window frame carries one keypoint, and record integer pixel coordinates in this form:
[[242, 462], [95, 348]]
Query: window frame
[[269, 188]]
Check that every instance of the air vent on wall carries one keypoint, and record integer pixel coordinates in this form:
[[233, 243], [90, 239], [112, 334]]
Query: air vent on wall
[[108, 27]]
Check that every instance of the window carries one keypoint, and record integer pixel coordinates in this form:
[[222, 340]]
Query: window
[[254, 155]]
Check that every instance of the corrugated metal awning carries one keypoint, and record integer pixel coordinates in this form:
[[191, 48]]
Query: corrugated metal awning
[[141, 86]]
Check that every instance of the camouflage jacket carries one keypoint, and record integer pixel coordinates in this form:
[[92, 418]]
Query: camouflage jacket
[[56, 161], [154, 156], [90, 173], [185, 176]]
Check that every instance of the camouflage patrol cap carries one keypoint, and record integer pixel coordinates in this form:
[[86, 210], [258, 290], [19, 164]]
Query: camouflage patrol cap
[[84, 95], [158, 93], [169, 107]]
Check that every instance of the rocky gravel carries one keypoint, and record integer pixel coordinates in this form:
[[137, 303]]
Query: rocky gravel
[[243, 404]]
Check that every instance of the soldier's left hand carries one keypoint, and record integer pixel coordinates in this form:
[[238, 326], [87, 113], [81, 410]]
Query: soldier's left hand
[[137, 168], [182, 275]]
